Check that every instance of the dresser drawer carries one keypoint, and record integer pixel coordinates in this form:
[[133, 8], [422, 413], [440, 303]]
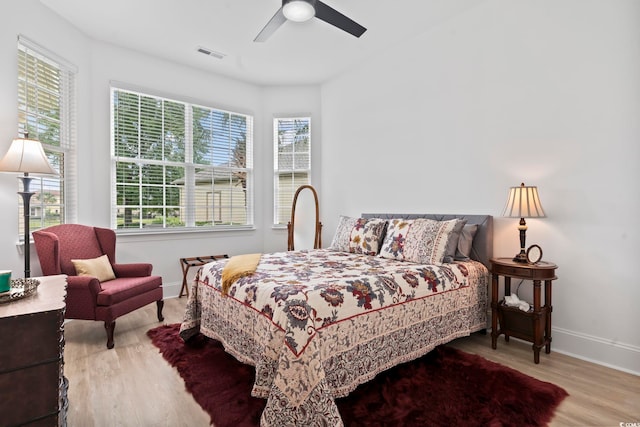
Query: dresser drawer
[[30, 339], [30, 393], [513, 271]]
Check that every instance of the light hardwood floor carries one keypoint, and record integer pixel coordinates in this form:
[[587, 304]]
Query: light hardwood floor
[[132, 385]]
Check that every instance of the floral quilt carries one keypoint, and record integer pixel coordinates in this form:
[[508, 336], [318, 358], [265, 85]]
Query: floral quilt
[[318, 323]]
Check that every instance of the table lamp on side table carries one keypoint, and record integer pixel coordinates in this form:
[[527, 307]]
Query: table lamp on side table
[[523, 202], [27, 156]]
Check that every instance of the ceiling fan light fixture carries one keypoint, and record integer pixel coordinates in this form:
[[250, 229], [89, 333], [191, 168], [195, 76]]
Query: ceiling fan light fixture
[[303, 10], [298, 10]]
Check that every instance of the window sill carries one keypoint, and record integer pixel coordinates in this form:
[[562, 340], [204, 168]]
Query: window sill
[[194, 230], [20, 246]]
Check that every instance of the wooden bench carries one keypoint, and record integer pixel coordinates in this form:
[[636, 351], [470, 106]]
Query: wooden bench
[[196, 261]]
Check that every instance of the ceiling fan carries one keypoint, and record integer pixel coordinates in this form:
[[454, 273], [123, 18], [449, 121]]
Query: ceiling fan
[[303, 10]]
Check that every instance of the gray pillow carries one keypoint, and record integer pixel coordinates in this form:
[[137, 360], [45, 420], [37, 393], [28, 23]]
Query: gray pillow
[[465, 242], [452, 243]]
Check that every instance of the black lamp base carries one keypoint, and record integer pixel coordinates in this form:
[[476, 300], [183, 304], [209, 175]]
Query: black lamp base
[[26, 197], [521, 257]]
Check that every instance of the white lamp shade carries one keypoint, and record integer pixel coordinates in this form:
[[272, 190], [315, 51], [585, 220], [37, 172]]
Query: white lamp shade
[[26, 155], [298, 10], [523, 202]]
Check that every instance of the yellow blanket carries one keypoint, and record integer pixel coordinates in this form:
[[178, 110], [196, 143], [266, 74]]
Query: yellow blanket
[[238, 266]]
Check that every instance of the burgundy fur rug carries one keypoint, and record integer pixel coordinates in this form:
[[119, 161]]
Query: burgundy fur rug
[[446, 387]]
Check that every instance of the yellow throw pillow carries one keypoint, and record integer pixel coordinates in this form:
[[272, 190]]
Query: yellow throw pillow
[[99, 268]]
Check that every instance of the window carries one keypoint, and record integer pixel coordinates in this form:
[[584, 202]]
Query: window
[[46, 99], [179, 165], [292, 158]]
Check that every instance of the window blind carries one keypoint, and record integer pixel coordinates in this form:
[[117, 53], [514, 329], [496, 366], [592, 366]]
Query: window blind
[[179, 165], [292, 157], [46, 111]]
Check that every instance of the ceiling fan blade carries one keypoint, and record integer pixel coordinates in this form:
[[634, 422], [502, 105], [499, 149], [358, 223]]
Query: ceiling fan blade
[[337, 19], [274, 23]]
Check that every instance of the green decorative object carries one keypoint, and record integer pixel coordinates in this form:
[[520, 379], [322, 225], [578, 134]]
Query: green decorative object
[[5, 280]]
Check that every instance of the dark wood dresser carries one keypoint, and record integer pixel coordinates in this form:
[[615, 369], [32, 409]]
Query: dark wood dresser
[[33, 390]]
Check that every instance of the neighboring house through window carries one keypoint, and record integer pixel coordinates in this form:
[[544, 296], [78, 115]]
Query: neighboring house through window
[[46, 111], [179, 165], [292, 162]]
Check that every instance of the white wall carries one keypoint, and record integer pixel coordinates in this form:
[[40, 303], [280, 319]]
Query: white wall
[[99, 64], [544, 92], [110, 63], [288, 102], [40, 25]]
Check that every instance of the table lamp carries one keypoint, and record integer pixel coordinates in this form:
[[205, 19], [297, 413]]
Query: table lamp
[[27, 156], [523, 202]]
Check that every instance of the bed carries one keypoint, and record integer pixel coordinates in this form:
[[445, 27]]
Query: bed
[[315, 324]]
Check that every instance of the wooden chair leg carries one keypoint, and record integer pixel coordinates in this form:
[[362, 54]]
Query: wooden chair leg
[[160, 304], [110, 327]]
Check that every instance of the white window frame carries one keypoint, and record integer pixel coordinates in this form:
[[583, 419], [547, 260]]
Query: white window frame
[[285, 206], [189, 165], [67, 178]]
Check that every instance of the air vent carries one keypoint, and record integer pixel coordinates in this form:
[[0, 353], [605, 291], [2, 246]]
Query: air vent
[[210, 52]]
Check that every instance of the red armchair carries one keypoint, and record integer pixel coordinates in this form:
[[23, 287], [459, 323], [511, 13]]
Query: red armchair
[[87, 297]]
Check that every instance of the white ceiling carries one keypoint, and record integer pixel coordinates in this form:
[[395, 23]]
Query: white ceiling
[[297, 53]]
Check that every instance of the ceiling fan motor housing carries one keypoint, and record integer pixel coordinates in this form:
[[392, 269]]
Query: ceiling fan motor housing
[[299, 10]]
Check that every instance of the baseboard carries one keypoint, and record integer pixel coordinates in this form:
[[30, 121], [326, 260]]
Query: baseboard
[[621, 356], [171, 290]]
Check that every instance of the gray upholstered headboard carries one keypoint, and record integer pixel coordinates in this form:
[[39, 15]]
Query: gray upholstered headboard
[[482, 249]]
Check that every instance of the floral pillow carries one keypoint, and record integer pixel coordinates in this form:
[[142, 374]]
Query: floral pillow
[[358, 235], [420, 240]]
